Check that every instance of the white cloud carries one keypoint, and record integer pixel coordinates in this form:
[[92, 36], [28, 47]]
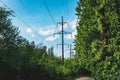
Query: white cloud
[[74, 33], [71, 36], [73, 24], [45, 32], [64, 26], [33, 35], [51, 38], [29, 30]]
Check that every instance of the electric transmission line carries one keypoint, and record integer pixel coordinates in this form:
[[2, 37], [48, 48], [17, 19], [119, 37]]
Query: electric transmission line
[[30, 12], [22, 20], [45, 3], [34, 16], [66, 9]]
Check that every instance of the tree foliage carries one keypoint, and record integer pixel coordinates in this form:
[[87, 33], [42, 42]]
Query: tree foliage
[[98, 38], [23, 60], [19, 58]]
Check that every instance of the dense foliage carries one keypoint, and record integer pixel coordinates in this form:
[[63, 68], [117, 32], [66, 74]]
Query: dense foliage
[[98, 38], [23, 60], [19, 58], [97, 47]]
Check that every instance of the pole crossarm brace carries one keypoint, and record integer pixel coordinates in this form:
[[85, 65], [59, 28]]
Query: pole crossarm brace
[[62, 23], [64, 32], [62, 44]]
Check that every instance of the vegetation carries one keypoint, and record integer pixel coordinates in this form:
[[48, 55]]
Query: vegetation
[[98, 38], [23, 60], [97, 46]]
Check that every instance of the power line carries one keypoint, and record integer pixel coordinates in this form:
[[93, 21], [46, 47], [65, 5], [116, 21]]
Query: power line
[[29, 12], [33, 15], [49, 12], [67, 8], [64, 10], [22, 20]]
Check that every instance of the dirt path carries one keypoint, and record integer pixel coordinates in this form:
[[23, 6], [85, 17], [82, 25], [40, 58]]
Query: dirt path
[[83, 78]]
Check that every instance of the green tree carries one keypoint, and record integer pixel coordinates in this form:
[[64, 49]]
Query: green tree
[[98, 38], [23, 60], [9, 49]]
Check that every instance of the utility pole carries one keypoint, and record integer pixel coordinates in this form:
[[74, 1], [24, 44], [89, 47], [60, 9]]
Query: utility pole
[[71, 51], [62, 32]]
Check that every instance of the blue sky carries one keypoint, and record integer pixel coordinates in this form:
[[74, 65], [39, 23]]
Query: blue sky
[[40, 26]]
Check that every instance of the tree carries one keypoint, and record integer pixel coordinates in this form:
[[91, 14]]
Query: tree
[[98, 38], [23, 60], [9, 49]]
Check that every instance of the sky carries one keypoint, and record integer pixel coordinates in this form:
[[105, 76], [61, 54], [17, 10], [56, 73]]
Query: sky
[[37, 21]]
